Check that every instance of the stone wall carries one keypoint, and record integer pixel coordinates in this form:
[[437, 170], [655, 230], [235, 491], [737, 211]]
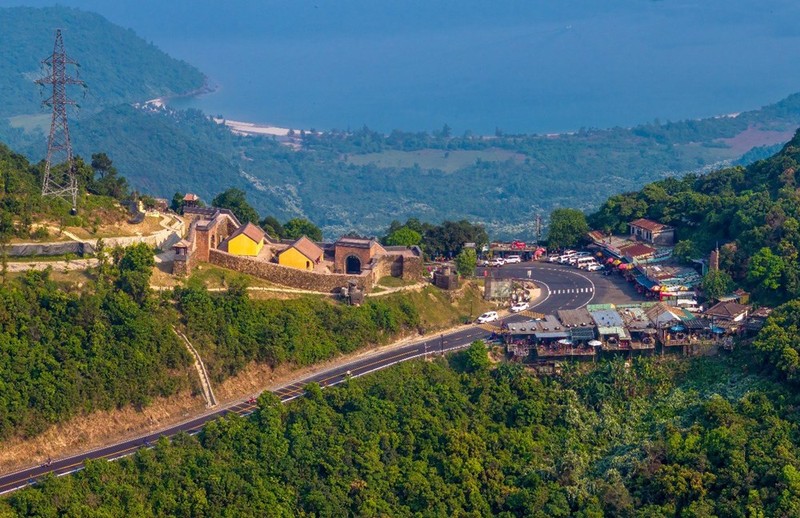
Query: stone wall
[[413, 269], [291, 277], [343, 252]]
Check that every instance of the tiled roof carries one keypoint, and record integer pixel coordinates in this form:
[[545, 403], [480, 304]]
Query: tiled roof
[[190, 197], [248, 229], [637, 250], [308, 248], [726, 310], [355, 242], [648, 224]]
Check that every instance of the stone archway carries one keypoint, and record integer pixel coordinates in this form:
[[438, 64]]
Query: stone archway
[[352, 265]]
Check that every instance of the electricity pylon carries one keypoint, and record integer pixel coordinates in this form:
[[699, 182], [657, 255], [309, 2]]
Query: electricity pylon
[[59, 146]]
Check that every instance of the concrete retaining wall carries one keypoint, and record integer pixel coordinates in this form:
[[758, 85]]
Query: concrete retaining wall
[[162, 239]]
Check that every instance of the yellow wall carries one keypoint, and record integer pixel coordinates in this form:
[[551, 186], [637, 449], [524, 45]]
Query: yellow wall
[[292, 257], [243, 245]]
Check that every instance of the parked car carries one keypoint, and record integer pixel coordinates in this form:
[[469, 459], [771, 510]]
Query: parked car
[[483, 262], [583, 262], [497, 261], [512, 259], [594, 267], [564, 259], [489, 316], [519, 306]]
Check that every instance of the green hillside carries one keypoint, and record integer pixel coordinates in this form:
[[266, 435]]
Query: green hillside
[[689, 438], [116, 64], [752, 213]]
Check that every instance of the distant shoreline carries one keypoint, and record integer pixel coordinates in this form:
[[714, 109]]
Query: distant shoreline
[[206, 88]]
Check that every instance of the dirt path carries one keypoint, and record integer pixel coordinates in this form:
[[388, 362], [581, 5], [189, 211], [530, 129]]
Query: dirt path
[[200, 367]]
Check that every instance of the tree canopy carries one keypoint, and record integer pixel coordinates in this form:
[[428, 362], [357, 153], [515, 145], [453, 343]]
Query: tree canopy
[[296, 228], [568, 227], [235, 200], [684, 437]]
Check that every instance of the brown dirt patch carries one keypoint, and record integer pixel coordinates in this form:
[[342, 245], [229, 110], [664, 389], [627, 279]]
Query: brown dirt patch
[[754, 137]]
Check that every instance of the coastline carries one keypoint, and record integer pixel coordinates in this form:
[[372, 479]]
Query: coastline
[[205, 89]]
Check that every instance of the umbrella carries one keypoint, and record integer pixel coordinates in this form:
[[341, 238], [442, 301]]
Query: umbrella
[[616, 262], [717, 330], [609, 260], [623, 266], [677, 328], [565, 341], [595, 343], [599, 254]]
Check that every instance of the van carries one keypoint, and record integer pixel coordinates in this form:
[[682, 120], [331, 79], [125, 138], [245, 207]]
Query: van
[[511, 259], [580, 255], [583, 262], [566, 257]]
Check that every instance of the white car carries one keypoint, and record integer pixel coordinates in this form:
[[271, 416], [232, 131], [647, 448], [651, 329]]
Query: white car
[[512, 259], [519, 306], [497, 261], [574, 259], [489, 316], [594, 267]]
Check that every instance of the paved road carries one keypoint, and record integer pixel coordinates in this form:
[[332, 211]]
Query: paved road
[[566, 287], [563, 288]]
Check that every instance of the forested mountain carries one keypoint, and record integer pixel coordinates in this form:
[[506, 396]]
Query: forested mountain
[[752, 213], [116, 64], [691, 438], [356, 180], [361, 181]]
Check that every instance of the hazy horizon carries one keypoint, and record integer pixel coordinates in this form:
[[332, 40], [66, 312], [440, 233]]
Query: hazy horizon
[[526, 68]]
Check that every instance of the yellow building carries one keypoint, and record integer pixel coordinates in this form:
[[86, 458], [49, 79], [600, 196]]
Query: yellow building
[[246, 240], [303, 254]]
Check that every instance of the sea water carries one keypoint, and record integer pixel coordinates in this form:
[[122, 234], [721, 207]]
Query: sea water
[[512, 66]]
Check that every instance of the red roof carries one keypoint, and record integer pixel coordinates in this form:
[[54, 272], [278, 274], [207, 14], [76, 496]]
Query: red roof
[[648, 224], [637, 250], [250, 230], [729, 310], [190, 197], [308, 248]]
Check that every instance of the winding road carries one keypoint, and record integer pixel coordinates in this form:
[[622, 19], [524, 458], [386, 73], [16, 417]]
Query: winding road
[[562, 288]]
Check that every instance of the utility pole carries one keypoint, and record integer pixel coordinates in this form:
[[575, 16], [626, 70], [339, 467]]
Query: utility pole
[[59, 146]]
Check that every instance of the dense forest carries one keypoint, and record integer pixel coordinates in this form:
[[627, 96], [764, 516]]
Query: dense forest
[[66, 352], [231, 330], [752, 213], [680, 437]]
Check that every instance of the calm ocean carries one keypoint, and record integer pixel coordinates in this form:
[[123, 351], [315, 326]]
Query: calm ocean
[[520, 66]]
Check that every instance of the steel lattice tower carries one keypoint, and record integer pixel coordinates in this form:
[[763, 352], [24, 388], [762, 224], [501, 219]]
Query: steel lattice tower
[[59, 148]]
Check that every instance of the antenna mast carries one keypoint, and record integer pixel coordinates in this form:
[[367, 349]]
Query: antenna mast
[[59, 147]]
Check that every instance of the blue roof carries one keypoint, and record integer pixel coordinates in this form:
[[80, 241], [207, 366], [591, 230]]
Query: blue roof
[[644, 281]]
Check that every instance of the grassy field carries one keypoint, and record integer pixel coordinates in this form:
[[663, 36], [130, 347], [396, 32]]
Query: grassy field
[[440, 309], [447, 161], [394, 282]]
